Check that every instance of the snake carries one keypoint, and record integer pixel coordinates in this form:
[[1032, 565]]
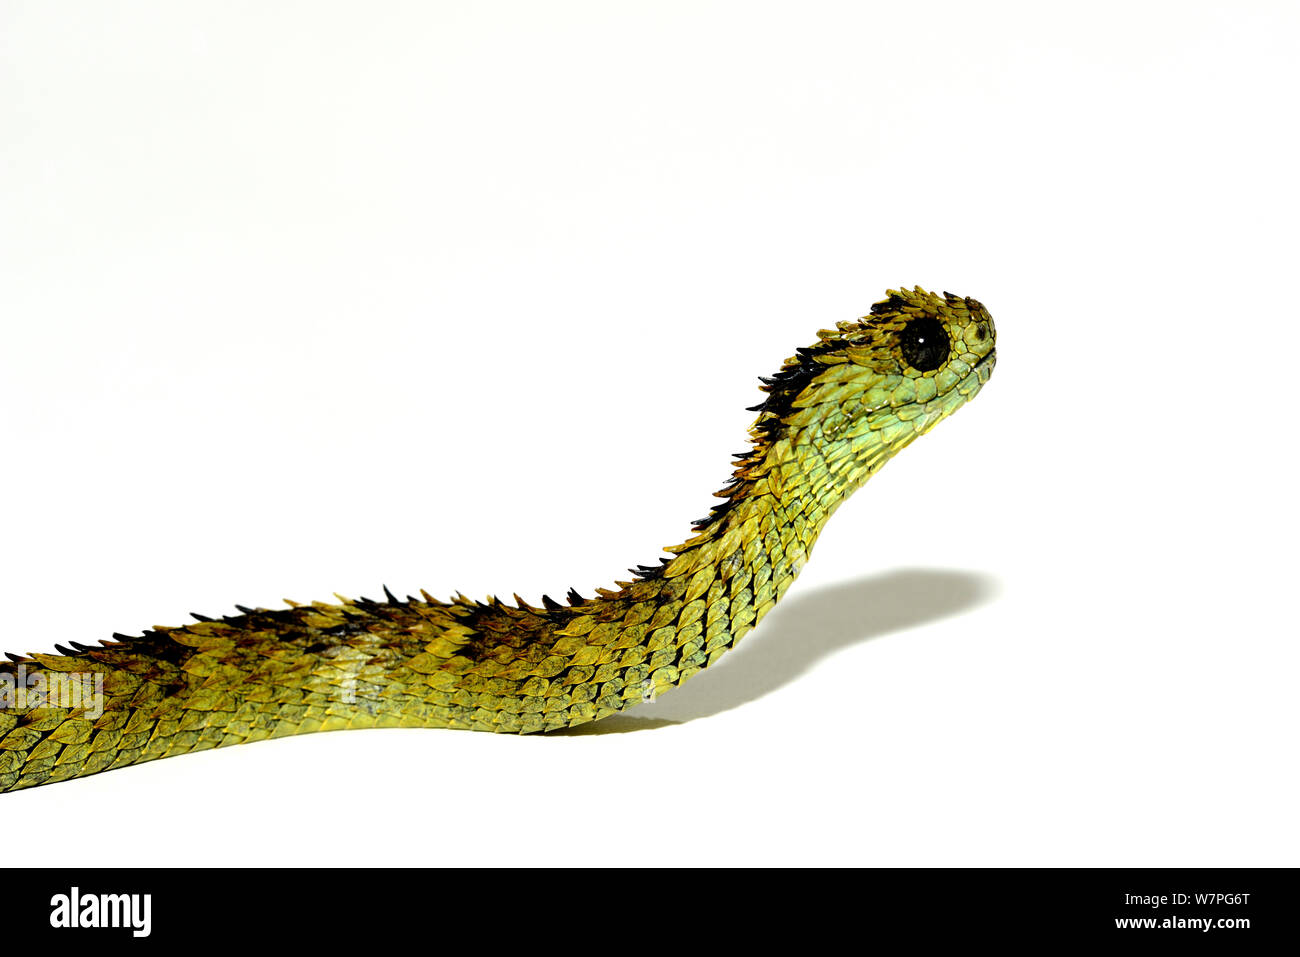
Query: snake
[[831, 416]]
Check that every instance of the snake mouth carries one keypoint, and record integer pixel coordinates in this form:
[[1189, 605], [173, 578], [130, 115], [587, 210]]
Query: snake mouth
[[991, 354]]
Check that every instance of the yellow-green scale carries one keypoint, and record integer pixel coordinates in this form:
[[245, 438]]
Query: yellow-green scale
[[833, 416], [461, 664]]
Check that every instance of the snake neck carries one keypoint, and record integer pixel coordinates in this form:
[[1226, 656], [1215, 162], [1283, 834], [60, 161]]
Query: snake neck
[[680, 616], [765, 528], [783, 492], [809, 452]]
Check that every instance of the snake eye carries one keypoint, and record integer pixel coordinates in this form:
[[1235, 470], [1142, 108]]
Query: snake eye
[[924, 343]]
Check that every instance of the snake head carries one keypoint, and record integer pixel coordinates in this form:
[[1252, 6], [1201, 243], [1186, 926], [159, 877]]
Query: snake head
[[870, 387], [839, 409]]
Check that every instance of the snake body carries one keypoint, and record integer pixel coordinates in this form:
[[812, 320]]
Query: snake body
[[832, 416]]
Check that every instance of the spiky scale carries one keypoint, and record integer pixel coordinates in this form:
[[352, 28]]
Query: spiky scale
[[826, 425]]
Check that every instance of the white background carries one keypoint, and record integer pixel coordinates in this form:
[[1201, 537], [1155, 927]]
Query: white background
[[311, 297]]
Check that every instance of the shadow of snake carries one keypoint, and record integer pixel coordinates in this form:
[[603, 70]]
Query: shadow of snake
[[801, 631]]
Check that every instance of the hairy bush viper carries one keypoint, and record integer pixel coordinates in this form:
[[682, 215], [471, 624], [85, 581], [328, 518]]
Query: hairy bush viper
[[832, 416]]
